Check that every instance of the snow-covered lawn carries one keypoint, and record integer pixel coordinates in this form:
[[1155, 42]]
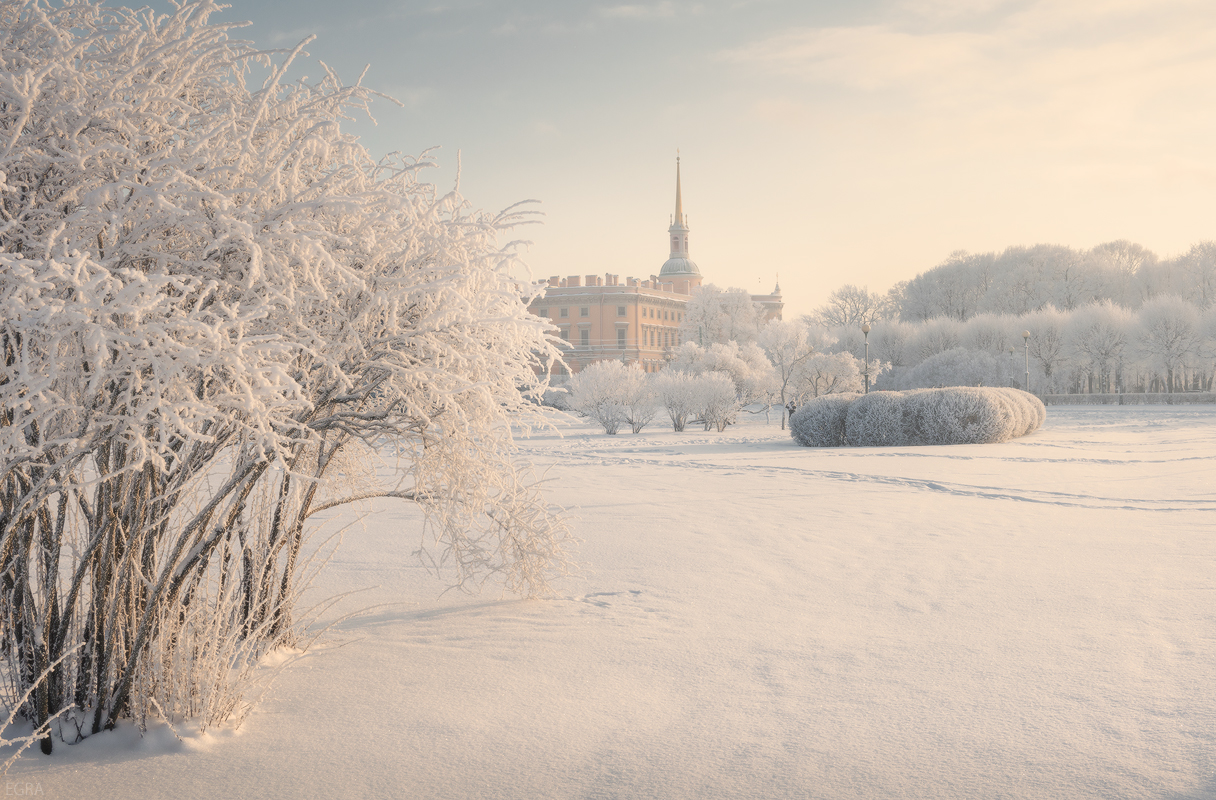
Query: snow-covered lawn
[[760, 620]]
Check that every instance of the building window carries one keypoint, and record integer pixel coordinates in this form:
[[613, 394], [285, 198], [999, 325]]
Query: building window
[[565, 312], [620, 311], [620, 337], [664, 315], [665, 338], [566, 334], [584, 312], [584, 338]]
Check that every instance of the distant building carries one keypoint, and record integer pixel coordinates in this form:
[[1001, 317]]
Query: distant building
[[634, 321]]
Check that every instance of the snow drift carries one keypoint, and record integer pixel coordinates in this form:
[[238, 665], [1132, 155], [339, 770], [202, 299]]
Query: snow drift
[[958, 415]]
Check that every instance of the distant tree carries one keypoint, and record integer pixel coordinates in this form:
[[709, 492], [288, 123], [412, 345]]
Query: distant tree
[[787, 346], [639, 399], [604, 391], [892, 341], [1098, 335], [959, 366], [992, 333], [936, 336], [1025, 278], [849, 306], [1169, 334], [954, 289], [677, 393], [717, 316], [1047, 328], [1118, 264], [1199, 269], [828, 373], [746, 365], [716, 400]]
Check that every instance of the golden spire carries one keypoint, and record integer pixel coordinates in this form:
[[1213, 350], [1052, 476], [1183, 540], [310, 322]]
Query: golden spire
[[679, 205]]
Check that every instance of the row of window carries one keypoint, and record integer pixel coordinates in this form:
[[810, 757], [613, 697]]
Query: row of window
[[647, 312], [650, 338]]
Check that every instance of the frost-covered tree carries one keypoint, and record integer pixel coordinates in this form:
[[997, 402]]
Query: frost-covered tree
[[992, 333], [677, 393], [1047, 328], [787, 346], [892, 341], [849, 306], [1116, 267], [639, 399], [1170, 333], [213, 303], [717, 401], [599, 392], [1198, 267], [1098, 335], [936, 336], [746, 366], [718, 316], [828, 373]]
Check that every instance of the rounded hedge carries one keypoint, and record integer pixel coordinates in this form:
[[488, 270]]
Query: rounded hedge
[[956, 415]]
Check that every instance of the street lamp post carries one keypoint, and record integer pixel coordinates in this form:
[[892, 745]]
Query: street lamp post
[[1026, 339], [865, 329]]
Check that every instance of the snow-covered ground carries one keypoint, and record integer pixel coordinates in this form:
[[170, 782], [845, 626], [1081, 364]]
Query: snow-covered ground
[[759, 620]]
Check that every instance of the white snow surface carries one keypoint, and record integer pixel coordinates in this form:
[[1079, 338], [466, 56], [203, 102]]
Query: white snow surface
[[1032, 619]]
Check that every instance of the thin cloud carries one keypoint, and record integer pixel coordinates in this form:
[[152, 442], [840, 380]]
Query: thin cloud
[[1042, 72], [661, 10]]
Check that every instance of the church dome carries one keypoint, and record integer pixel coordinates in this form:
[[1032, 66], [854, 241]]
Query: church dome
[[679, 266]]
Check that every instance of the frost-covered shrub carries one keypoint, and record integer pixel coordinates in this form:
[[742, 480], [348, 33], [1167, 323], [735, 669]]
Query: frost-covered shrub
[[958, 415], [821, 422], [211, 298], [876, 420]]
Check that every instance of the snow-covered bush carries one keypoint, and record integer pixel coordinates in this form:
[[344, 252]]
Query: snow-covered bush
[[716, 399], [821, 422], [677, 393], [876, 420], [958, 366], [212, 302]]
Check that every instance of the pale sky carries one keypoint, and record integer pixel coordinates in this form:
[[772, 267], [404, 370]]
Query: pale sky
[[831, 142]]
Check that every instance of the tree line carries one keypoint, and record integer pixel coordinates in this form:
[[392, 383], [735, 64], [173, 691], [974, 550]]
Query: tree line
[[1113, 318]]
